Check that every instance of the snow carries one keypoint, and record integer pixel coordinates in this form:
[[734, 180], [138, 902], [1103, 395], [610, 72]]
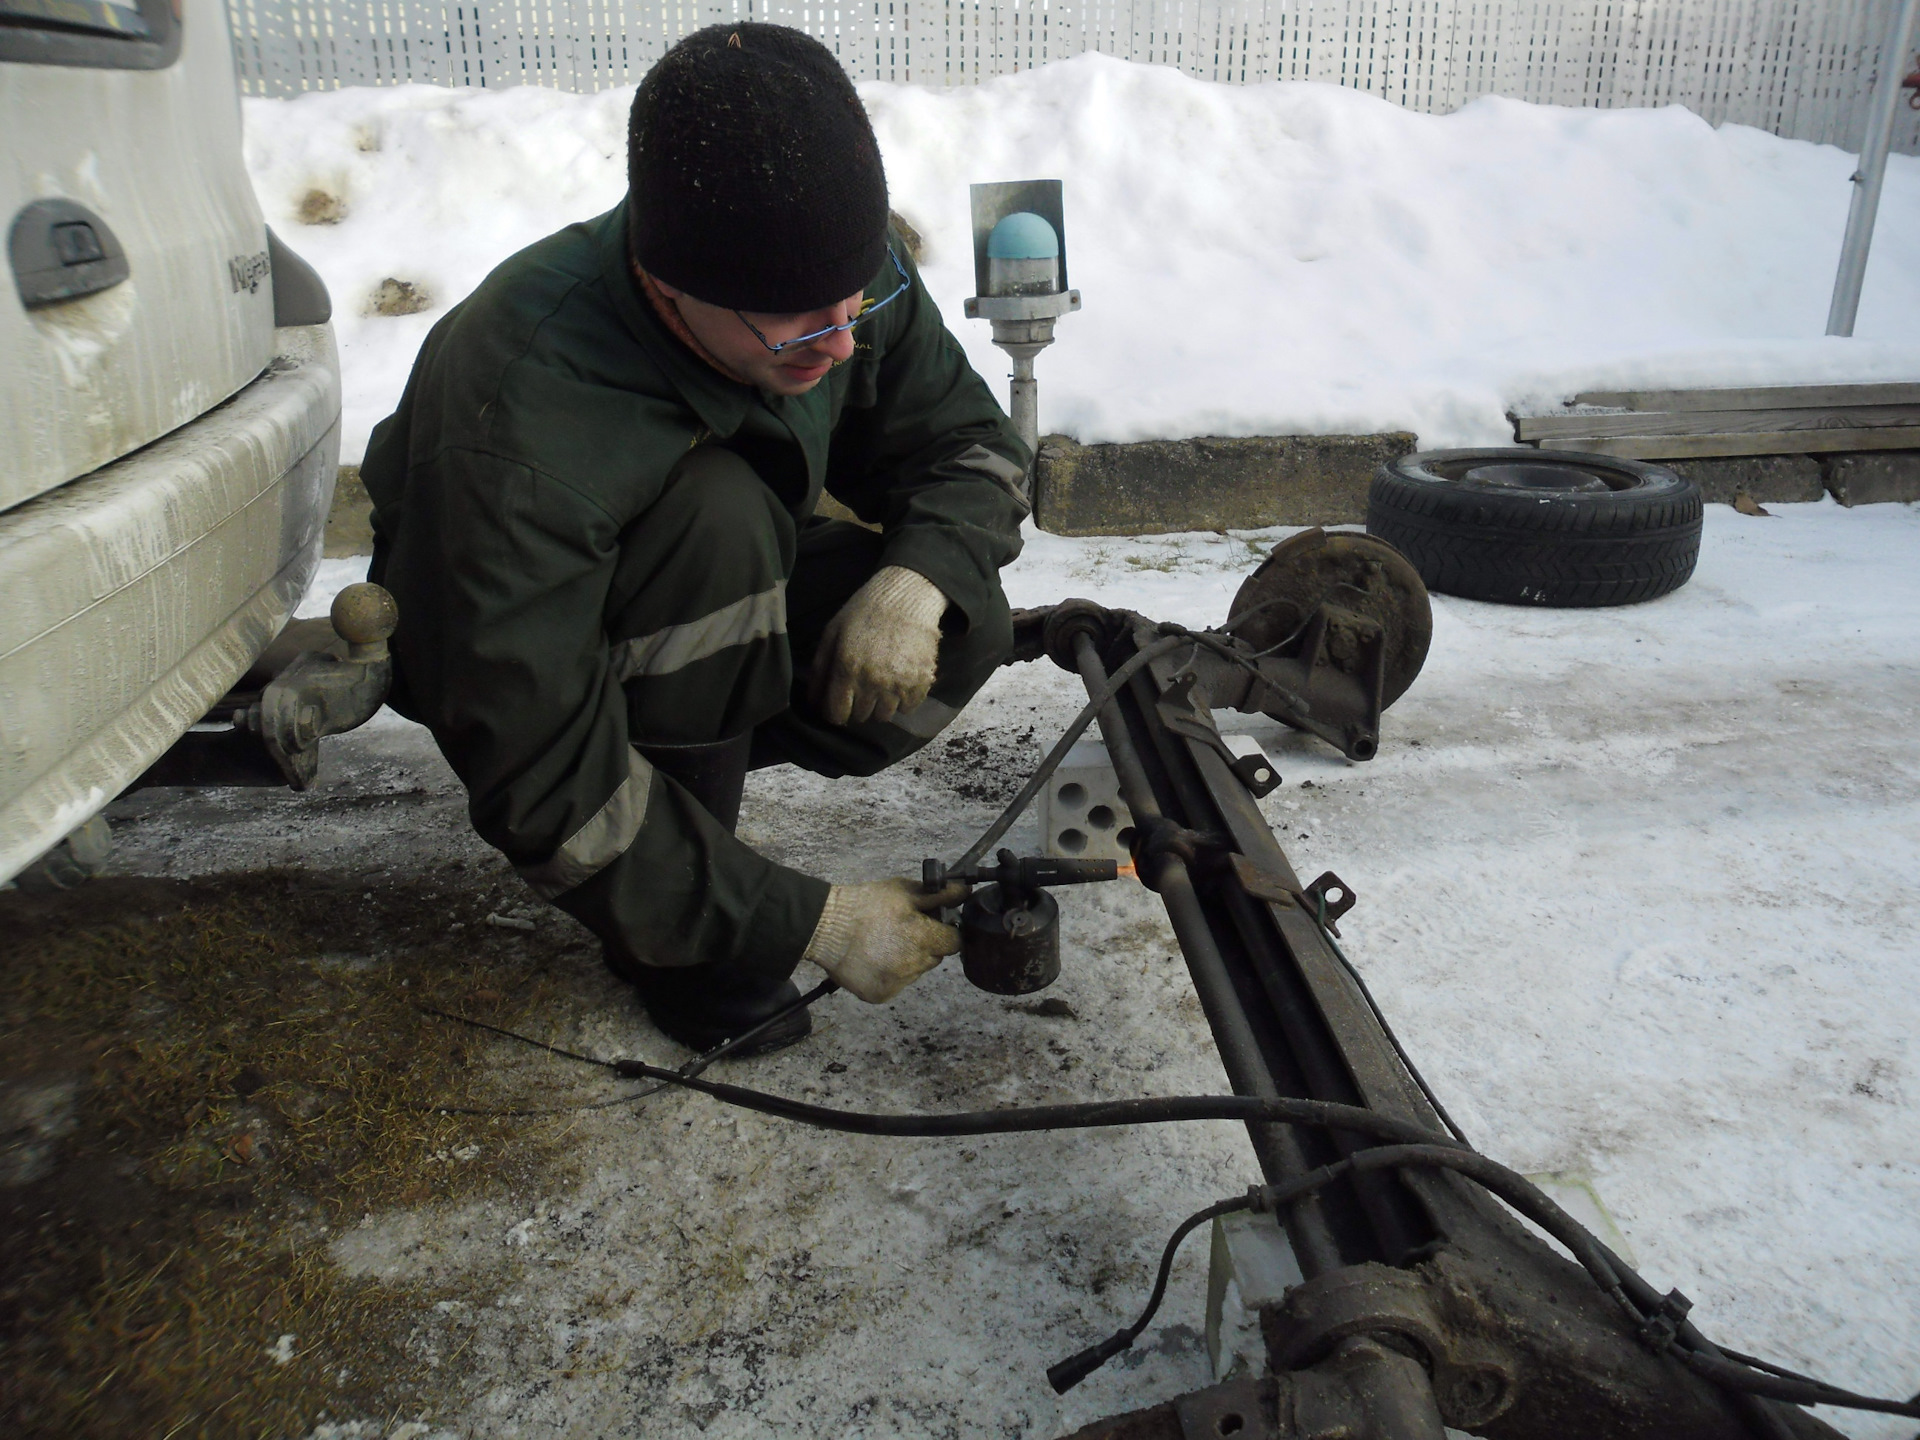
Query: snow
[[1637, 888], [1264, 259]]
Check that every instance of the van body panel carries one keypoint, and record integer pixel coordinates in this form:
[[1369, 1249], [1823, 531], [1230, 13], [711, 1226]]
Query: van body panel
[[153, 585], [156, 155]]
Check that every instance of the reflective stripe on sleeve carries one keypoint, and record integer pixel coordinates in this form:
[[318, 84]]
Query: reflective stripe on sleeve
[[678, 646], [599, 842]]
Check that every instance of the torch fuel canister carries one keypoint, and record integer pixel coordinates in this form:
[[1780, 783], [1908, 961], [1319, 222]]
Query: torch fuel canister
[[1010, 926], [1010, 940]]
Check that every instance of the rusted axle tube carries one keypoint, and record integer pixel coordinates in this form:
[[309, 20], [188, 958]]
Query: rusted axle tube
[[1275, 1145]]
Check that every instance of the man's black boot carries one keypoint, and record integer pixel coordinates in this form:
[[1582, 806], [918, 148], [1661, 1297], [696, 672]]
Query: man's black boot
[[702, 1006]]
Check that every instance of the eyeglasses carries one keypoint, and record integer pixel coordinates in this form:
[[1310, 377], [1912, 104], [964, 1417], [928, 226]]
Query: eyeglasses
[[868, 308]]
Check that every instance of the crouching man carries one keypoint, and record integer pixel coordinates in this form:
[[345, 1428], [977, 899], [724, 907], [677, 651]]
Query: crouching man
[[595, 507]]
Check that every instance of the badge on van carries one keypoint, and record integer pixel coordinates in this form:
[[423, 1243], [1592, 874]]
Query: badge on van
[[247, 271]]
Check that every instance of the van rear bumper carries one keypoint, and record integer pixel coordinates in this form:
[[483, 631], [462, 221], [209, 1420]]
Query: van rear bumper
[[140, 593]]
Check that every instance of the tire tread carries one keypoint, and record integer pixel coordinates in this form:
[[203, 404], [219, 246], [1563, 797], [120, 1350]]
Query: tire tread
[[1565, 550]]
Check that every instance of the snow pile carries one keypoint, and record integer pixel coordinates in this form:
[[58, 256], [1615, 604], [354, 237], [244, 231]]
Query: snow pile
[[1275, 258]]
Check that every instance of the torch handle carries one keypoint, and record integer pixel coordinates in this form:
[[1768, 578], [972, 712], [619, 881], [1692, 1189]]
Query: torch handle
[[1032, 873]]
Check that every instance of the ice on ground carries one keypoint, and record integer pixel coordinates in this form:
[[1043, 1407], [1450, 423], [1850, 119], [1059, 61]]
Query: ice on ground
[[1281, 258], [1636, 887]]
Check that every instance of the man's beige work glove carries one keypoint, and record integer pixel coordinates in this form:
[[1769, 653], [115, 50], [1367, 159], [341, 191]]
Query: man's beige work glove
[[876, 656], [879, 937]]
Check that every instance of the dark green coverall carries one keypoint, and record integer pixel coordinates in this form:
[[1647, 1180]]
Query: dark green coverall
[[596, 540]]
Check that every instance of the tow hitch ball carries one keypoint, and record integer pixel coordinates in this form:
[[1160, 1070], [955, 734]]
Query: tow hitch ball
[[1010, 926]]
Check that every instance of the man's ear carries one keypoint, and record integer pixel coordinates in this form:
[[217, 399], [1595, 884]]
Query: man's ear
[[665, 289]]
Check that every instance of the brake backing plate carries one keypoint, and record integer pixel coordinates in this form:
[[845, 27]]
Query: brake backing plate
[[1356, 573]]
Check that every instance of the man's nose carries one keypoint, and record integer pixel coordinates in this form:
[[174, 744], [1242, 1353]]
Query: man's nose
[[837, 345]]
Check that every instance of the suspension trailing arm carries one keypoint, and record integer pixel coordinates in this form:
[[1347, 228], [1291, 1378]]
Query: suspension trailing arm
[[1425, 1304]]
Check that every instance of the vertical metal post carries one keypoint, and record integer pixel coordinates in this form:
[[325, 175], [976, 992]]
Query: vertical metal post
[[1024, 394], [1874, 144]]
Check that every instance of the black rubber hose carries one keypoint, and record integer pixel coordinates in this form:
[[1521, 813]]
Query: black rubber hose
[[1414, 1147], [1690, 1347], [1075, 1368], [1386, 1027], [1732, 1375], [1522, 1194], [1510, 1186], [1631, 1291], [1087, 1115]]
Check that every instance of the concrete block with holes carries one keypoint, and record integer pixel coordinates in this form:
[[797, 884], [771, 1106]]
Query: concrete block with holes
[[1081, 812]]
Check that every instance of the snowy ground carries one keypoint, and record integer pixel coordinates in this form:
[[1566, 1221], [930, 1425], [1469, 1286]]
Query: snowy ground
[[1637, 887], [1267, 259]]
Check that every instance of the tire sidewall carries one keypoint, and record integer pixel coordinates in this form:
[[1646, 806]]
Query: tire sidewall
[[1539, 547]]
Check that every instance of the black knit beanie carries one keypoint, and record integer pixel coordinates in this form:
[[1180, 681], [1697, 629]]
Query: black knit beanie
[[755, 179]]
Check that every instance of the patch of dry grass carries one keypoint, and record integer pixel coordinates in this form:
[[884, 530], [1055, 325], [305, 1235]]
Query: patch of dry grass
[[216, 1075]]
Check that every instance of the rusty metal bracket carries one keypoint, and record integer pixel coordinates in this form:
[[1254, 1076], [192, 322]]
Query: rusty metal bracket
[[1180, 710], [1366, 1388], [1242, 1409], [1473, 1382], [1327, 899], [1262, 883]]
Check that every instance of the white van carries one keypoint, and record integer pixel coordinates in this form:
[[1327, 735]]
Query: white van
[[169, 403]]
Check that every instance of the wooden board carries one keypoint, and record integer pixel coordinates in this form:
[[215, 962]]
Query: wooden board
[[1715, 422], [1764, 397], [1771, 442]]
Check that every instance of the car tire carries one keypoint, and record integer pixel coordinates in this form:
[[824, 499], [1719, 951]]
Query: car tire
[[1530, 527]]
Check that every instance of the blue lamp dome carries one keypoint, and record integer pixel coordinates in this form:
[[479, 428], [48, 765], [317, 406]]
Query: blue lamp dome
[[1023, 236]]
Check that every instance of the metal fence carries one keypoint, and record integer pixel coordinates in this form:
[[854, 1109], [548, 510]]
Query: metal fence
[[1800, 68]]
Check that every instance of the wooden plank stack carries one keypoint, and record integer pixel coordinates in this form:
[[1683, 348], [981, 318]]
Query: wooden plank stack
[[1697, 424]]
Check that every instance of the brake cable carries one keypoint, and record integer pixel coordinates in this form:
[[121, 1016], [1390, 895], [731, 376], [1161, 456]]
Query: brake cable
[[686, 1072]]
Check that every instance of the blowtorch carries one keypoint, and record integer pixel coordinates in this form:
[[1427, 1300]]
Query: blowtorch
[[1010, 926]]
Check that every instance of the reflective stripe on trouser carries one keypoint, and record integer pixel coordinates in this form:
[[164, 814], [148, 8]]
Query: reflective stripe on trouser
[[602, 840], [718, 603], [697, 614]]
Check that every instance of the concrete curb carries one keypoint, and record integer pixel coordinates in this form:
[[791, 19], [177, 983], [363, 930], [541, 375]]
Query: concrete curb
[[1154, 487], [1208, 483], [1769, 479], [1872, 477], [1245, 483], [1866, 477], [350, 521]]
